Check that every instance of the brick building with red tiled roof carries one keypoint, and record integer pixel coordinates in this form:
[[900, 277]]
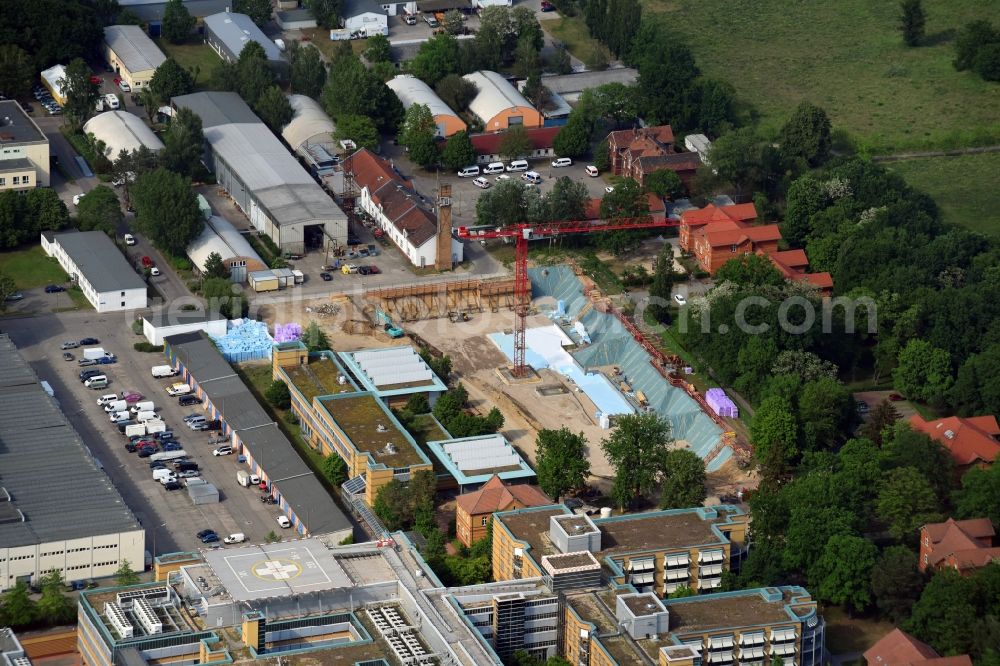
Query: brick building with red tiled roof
[[716, 234], [898, 648], [962, 545], [636, 153], [473, 510], [390, 199], [487, 146], [970, 441]]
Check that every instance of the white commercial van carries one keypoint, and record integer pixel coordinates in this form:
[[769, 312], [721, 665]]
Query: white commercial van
[[116, 406], [493, 167], [518, 165], [142, 417], [468, 172], [115, 417], [143, 406], [95, 380], [180, 388], [532, 177], [164, 475], [562, 162], [238, 537], [108, 397], [284, 522], [163, 371]]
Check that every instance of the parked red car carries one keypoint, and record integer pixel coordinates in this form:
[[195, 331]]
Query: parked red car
[[96, 80], [146, 262], [374, 270]]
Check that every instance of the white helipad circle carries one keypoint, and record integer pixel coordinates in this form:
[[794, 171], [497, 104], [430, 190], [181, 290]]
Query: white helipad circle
[[276, 569]]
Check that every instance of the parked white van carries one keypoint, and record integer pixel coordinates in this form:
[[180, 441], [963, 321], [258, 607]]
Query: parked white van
[[163, 371], [238, 537], [96, 379], [108, 397], [143, 406], [493, 167], [116, 406], [562, 162], [143, 417], [518, 165], [468, 172], [532, 177], [284, 522]]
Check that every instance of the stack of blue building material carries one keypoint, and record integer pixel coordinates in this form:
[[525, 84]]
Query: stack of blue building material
[[246, 340]]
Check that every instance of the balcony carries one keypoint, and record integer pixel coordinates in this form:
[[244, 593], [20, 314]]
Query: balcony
[[645, 578], [677, 574], [644, 564], [710, 571], [675, 561], [751, 654], [752, 640], [709, 583], [711, 557], [782, 649]]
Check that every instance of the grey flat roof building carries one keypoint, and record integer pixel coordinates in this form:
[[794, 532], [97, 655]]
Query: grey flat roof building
[[269, 185], [152, 10], [48, 473], [133, 47], [99, 260], [227, 33], [16, 127], [266, 447]]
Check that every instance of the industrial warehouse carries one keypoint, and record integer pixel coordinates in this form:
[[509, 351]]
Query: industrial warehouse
[[87, 535], [272, 189]]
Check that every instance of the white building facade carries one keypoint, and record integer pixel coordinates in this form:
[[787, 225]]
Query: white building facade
[[99, 268]]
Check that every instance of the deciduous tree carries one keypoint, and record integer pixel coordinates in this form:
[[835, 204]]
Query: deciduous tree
[[308, 73], [683, 480], [7, 288], [99, 209], [627, 200], [843, 572], [334, 470], [773, 431], [378, 49], [81, 94], [923, 371], [327, 12], [315, 337], [170, 80], [184, 144], [979, 495], [259, 11], [253, 75], [167, 210], [970, 39], [562, 463], [125, 575], [637, 450], [436, 58], [515, 143], [806, 135], [882, 418], [665, 184], [177, 22], [456, 92], [215, 267], [945, 615], [352, 90], [17, 71], [567, 200], [359, 129], [458, 151], [905, 502], [54, 606], [573, 140], [896, 582], [274, 109], [16, 606]]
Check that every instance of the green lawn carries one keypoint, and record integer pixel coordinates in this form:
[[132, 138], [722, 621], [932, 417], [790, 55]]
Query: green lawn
[[845, 634], [573, 33], [30, 268], [964, 187], [846, 56], [193, 55]]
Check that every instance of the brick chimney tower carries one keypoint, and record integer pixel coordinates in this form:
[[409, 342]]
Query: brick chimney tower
[[443, 259]]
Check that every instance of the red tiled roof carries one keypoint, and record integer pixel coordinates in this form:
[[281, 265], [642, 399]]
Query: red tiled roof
[[967, 439], [592, 211], [489, 144], [821, 280], [791, 258], [495, 495], [673, 162], [659, 133], [711, 213], [723, 237], [962, 539], [656, 204], [399, 201], [898, 648]]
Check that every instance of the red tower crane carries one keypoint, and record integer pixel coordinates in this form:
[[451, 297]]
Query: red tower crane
[[522, 233]]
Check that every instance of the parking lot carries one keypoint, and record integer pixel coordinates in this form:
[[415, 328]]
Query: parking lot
[[170, 519]]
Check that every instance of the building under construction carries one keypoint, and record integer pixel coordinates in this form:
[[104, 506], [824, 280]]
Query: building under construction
[[439, 299]]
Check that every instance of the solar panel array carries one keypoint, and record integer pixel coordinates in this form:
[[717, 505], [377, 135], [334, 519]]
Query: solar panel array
[[482, 453], [399, 365]]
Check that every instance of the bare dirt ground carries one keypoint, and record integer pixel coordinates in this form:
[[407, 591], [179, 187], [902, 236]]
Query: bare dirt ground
[[475, 360]]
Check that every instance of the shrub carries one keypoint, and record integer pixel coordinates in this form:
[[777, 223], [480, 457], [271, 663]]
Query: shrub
[[278, 395], [147, 347]]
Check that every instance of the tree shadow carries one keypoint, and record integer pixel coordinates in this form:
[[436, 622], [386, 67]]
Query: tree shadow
[[940, 37]]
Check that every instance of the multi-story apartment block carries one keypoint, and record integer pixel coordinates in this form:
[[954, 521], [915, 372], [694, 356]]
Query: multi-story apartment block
[[338, 417], [655, 552]]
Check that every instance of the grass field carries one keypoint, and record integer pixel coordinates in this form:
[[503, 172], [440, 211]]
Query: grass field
[[573, 33], [846, 634], [30, 268], [964, 187], [192, 55], [846, 56]]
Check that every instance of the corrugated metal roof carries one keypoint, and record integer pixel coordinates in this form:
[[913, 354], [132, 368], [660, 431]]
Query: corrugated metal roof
[[121, 130], [133, 47], [279, 183], [272, 451], [101, 263], [495, 95], [222, 237], [235, 30], [309, 124], [410, 90], [41, 458], [580, 81]]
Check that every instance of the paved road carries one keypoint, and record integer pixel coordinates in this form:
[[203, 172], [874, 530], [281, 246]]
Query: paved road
[[61, 148]]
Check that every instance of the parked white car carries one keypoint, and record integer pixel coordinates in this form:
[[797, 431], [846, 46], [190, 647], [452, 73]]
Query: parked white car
[[562, 162], [481, 183], [129, 239]]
